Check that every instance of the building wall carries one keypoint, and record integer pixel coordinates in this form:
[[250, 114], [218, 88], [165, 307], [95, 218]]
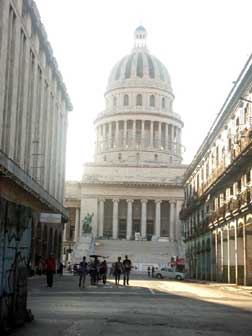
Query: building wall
[[218, 189], [33, 119], [33, 100]]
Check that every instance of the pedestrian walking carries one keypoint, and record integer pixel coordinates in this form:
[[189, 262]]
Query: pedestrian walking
[[82, 272], [103, 271], [118, 270], [50, 269], [97, 270], [126, 270], [92, 272], [148, 269], [152, 271], [60, 270], [40, 266], [112, 270]]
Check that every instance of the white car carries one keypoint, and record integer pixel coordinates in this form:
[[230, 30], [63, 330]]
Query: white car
[[169, 273]]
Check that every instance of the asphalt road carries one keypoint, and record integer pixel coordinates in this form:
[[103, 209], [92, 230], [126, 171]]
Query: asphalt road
[[146, 307]]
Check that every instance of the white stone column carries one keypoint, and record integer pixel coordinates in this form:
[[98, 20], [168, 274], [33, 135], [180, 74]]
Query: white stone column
[[129, 219], [166, 137], [134, 134], [104, 139], [216, 255], [115, 218], [172, 216], [211, 257], [110, 135], [236, 253], [142, 134], [101, 217], [125, 133], [179, 140], [143, 218], [228, 255], [116, 142], [159, 134], [244, 253], [151, 134], [157, 218], [77, 224], [172, 138], [222, 256], [178, 221]]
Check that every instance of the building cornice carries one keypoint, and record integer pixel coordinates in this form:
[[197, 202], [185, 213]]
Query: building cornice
[[241, 85], [115, 165], [133, 184], [138, 114]]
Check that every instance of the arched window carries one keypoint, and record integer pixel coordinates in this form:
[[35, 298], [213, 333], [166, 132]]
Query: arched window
[[163, 102], [114, 101], [126, 100], [139, 100], [152, 100]]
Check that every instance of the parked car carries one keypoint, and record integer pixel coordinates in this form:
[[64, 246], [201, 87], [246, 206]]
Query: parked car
[[169, 273]]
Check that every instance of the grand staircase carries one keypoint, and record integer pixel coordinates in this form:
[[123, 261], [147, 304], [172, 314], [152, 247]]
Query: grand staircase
[[141, 253]]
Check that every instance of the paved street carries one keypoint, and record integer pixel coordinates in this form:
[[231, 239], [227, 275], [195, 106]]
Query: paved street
[[147, 307]]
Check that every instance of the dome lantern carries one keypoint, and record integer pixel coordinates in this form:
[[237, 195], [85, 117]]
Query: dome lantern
[[140, 37]]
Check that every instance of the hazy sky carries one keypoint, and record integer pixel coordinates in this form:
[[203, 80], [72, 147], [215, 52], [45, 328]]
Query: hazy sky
[[203, 44]]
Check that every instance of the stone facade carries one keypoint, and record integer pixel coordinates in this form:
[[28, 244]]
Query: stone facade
[[134, 186], [217, 213], [34, 108]]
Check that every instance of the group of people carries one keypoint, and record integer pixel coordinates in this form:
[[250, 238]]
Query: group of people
[[151, 271], [118, 268], [98, 271]]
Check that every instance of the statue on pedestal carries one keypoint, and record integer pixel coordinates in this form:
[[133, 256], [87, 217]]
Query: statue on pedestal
[[87, 221]]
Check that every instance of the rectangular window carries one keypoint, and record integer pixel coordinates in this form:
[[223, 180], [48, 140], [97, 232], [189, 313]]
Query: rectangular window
[[248, 177], [232, 190], [239, 185]]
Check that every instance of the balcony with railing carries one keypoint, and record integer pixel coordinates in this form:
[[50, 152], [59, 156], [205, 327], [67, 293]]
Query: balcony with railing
[[240, 144], [139, 144], [189, 206], [233, 206]]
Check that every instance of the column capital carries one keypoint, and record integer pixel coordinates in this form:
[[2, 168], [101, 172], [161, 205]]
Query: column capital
[[130, 200], [158, 201], [101, 200], [172, 202], [115, 200], [144, 201]]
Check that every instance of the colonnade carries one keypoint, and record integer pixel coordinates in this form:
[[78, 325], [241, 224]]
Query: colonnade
[[225, 254], [174, 230], [138, 134]]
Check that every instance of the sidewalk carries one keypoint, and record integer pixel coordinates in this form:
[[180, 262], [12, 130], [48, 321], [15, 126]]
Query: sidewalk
[[245, 290]]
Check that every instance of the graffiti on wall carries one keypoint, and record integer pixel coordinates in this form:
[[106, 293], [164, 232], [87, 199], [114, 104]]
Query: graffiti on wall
[[15, 242]]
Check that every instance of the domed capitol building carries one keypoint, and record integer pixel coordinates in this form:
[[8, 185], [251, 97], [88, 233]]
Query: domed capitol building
[[133, 189]]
